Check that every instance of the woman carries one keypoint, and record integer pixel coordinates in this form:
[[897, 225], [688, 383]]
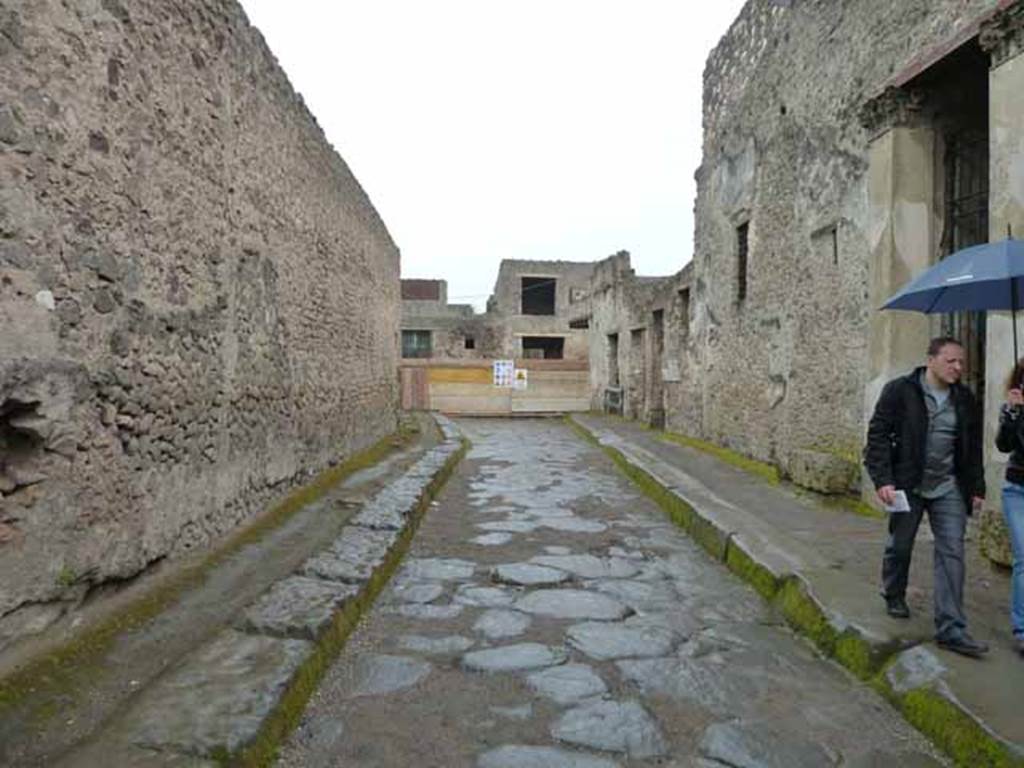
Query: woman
[[1010, 439]]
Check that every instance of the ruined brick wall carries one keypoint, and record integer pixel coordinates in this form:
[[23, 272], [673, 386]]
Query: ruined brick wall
[[198, 303], [785, 154]]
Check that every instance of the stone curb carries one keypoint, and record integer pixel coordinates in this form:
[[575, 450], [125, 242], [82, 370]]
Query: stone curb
[[234, 699], [910, 679]]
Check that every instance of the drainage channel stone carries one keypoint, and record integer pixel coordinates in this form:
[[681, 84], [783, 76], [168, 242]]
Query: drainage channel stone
[[567, 684], [439, 645], [497, 624], [601, 640], [529, 575], [218, 699], [353, 557], [438, 569], [513, 658], [572, 604], [514, 756], [611, 726], [298, 607], [382, 674]]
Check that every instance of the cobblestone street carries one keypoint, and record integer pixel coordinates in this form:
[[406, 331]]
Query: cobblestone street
[[548, 614]]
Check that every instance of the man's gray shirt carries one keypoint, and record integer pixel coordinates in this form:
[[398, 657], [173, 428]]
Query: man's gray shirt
[[938, 477]]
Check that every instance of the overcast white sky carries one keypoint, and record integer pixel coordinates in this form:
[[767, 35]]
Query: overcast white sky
[[555, 129]]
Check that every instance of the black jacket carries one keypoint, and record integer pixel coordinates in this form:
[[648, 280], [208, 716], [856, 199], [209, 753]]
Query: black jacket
[[1010, 439], [895, 450]]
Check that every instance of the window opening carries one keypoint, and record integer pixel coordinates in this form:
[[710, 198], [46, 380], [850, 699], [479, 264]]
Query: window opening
[[684, 311], [742, 248], [416, 344], [470, 342], [543, 347], [538, 295], [613, 359]]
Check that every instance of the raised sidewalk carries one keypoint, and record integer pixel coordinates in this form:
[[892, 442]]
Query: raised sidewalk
[[819, 563]]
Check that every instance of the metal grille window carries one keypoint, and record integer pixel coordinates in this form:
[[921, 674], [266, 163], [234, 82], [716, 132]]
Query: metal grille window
[[416, 344], [966, 206], [742, 251]]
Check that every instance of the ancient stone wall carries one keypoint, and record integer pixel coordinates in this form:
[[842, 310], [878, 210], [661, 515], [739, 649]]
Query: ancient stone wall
[[198, 303], [650, 318], [785, 161]]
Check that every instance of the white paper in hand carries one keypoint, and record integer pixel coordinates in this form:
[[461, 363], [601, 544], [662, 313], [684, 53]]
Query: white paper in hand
[[899, 503]]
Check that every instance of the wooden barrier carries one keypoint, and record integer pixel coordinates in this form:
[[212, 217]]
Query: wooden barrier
[[467, 387]]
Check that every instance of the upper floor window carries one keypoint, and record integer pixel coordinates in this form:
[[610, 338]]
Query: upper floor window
[[538, 295]]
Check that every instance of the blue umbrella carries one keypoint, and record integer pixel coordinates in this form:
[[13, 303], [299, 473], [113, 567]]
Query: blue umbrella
[[983, 277]]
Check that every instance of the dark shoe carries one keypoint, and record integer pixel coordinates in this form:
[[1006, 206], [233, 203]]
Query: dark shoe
[[965, 645], [897, 607]]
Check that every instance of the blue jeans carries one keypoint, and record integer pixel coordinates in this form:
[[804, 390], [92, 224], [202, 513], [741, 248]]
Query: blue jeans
[[947, 517], [1013, 511]]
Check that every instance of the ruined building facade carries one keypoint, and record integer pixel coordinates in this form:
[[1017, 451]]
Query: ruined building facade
[[847, 146], [199, 306], [529, 315]]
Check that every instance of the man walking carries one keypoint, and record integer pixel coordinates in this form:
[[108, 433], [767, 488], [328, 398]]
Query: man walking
[[924, 439]]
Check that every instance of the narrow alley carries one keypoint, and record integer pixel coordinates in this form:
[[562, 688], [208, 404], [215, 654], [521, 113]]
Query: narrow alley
[[548, 614]]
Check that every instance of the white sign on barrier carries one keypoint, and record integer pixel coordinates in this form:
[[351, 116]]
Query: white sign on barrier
[[504, 371], [520, 379]]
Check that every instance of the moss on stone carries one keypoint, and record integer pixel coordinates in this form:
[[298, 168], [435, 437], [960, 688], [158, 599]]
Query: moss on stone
[[755, 574], [856, 654], [63, 670], [804, 614], [761, 469], [953, 730], [288, 712]]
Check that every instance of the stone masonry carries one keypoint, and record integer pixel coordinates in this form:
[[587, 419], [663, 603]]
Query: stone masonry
[[785, 177], [198, 303]]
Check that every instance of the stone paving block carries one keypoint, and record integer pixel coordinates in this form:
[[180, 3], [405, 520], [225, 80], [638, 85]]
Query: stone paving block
[[497, 623], [520, 756], [568, 683], [514, 658], [589, 566], [572, 604], [219, 697], [528, 574], [383, 674], [438, 569], [603, 640], [440, 645], [298, 607], [611, 726], [757, 744], [355, 561]]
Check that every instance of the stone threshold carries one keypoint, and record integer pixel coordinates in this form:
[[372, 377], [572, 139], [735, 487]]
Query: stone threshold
[[234, 699], [913, 679]]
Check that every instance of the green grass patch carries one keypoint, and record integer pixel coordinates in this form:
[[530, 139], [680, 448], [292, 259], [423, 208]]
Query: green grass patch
[[63, 670], [765, 471]]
